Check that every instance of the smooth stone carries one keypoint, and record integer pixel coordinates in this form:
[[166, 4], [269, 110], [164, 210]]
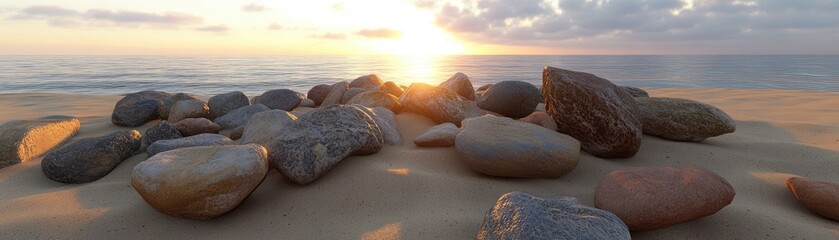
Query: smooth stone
[[593, 110], [189, 109], [655, 198], [442, 135], [460, 85], [23, 140], [319, 140], [439, 104], [222, 104], [519, 215], [352, 92], [820, 197], [386, 121], [200, 182], [139, 108], [206, 139], [194, 126], [682, 119], [241, 116], [336, 94], [170, 102], [392, 89], [635, 92], [369, 82], [374, 99], [255, 100], [504, 147], [90, 159], [515, 99], [542, 119], [265, 126], [318, 93], [309, 103], [283, 99], [237, 133], [162, 131]]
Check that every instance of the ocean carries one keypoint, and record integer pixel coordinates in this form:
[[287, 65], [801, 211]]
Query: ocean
[[201, 75]]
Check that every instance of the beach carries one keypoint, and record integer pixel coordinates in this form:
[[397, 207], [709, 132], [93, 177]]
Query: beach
[[407, 192]]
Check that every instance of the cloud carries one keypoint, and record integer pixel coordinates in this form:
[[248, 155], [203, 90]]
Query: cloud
[[254, 7], [168, 18], [425, 4], [51, 11], [331, 36], [62, 17], [214, 28], [275, 27], [379, 33]]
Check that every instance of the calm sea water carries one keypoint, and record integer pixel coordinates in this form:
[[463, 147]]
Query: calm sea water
[[254, 75]]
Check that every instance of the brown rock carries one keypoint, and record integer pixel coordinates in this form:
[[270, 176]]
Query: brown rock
[[460, 85], [23, 140], [654, 198], [371, 81], [541, 119], [336, 94], [189, 109], [682, 119], [318, 93], [593, 110], [374, 99], [820, 197], [392, 89], [194, 126], [350, 93], [439, 104]]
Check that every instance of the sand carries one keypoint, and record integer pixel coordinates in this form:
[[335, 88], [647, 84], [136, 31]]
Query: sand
[[407, 192]]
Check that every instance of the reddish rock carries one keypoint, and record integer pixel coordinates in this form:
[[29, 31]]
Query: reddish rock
[[318, 93], [194, 126], [593, 110], [371, 81], [336, 93], [189, 109], [439, 104], [392, 89], [541, 119], [374, 99], [460, 85], [820, 197], [654, 198]]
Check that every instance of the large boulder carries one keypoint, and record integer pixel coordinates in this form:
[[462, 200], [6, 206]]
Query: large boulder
[[319, 140], [283, 99], [265, 126], [505, 147], [386, 121], [369, 82], [189, 109], [374, 99], [222, 104], [352, 92], [439, 104], [442, 135], [515, 99], [542, 119], [90, 159], [139, 108], [655, 198], [206, 139], [392, 89], [682, 119], [460, 85], [200, 182], [23, 140], [593, 110], [635, 92], [336, 94], [318, 93], [820, 197], [519, 215], [194, 126], [162, 131], [241, 116]]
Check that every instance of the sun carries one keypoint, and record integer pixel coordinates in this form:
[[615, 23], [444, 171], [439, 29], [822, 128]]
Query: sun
[[418, 35]]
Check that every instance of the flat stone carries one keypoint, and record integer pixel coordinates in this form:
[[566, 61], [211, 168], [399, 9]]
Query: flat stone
[[820, 197], [90, 159], [542, 119], [439, 104], [206, 139], [189, 109], [222, 104], [318, 93], [23, 140], [460, 85], [655, 198], [371, 81], [374, 99], [352, 92], [635, 92], [240, 117], [442, 135], [515, 99], [519, 215], [682, 119], [336, 94], [194, 126], [319, 140], [386, 121], [200, 182], [283, 99], [392, 89], [504, 147], [265, 126], [162, 131], [593, 110]]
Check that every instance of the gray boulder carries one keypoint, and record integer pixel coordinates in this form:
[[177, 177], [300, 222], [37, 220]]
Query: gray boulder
[[265, 126], [90, 159], [386, 121], [162, 131], [222, 104], [206, 139], [682, 119], [23, 140], [442, 135], [283, 99], [460, 85], [240, 117], [139, 108], [515, 99]]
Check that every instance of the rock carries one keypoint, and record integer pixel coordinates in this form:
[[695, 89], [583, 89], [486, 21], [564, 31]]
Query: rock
[[237, 133], [240, 117], [594, 111], [23, 140], [635, 92], [206, 139], [336, 94], [460, 85], [439, 104], [138, 108], [519, 215], [515, 99], [265, 126], [189, 109], [170, 102], [307, 103], [374, 99], [283, 99], [319, 140], [200, 182], [504, 147], [682, 119], [90, 159], [351, 93], [820, 197], [255, 100], [485, 87], [655, 198], [386, 121], [162, 131], [369, 82], [194, 126], [392, 89], [541, 119], [442, 135], [222, 104], [318, 93]]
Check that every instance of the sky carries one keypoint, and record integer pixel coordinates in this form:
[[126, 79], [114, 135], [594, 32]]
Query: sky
[[418, 27]]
